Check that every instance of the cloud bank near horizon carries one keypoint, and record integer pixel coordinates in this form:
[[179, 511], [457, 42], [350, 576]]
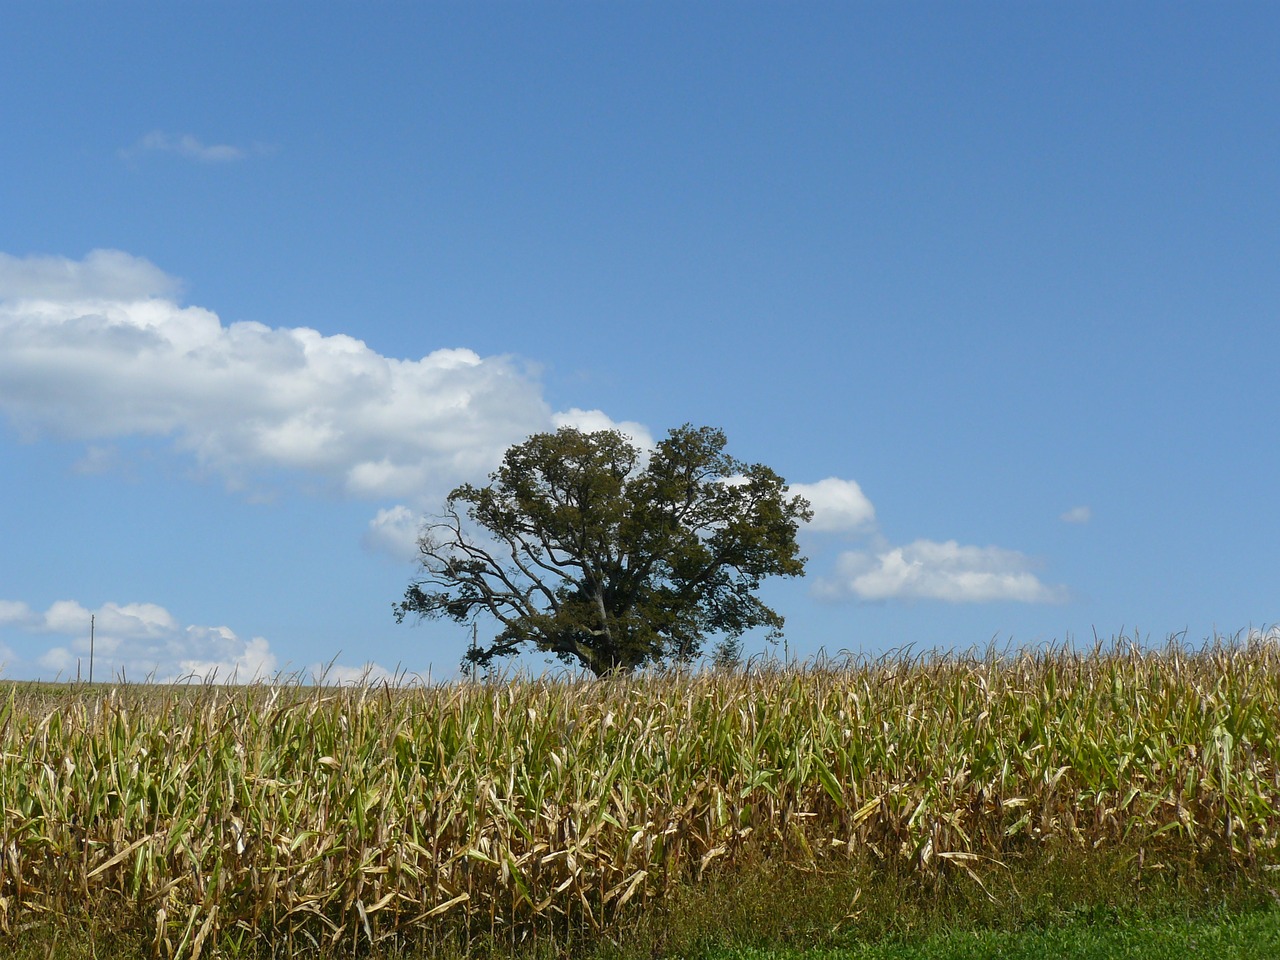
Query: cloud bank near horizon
[[140, 641], [134, 640]]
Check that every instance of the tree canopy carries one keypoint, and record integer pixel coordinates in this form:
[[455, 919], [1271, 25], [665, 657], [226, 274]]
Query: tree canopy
[[585, 546]]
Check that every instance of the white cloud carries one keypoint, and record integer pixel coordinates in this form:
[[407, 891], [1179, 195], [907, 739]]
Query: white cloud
[[336, 674], [128, 621], [99, 349], [215, 653], [946, 571], [12, 611], [184, 145], [142, 641], [59, 662], [97, 459], [838, 505], [101, 275], [1077, 515], [592, 420], [88, 350], [138, 640], [66, 616], [923, 570], [394, 532]]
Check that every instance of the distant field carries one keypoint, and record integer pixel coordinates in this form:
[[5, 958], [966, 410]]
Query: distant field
[[810, 807]]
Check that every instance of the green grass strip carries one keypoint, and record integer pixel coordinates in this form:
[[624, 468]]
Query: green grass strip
[[1251, 936]]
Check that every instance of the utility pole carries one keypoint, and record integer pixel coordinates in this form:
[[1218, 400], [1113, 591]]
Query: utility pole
[[471, 664], [91, 619]]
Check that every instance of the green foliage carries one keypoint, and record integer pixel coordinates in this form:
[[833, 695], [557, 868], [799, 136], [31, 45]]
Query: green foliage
[[581, 548]]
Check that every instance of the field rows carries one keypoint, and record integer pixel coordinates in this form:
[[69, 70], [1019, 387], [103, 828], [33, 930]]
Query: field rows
[[301, 816]]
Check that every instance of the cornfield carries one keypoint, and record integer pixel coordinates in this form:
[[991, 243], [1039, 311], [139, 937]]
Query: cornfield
[[299, 817]]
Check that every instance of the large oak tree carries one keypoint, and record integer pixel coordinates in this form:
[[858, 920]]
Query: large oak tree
[[587, 547]]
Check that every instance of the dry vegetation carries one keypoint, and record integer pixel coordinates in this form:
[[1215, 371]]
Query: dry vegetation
[[290, 817]]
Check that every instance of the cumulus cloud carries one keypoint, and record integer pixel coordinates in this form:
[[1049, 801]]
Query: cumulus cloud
[[215, 653], [592, 420], [394, 532], [922, 570], [142, 641], [96, 350], [12, 611], [1077, 515], [100, 349], [839, 506], [926, 569], [185, 145], [138, 640], [101, 275]]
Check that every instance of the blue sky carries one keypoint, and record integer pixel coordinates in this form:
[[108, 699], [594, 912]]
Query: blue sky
[[995, 285]]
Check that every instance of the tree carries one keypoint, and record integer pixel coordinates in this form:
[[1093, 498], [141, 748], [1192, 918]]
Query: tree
[[585, 547]]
